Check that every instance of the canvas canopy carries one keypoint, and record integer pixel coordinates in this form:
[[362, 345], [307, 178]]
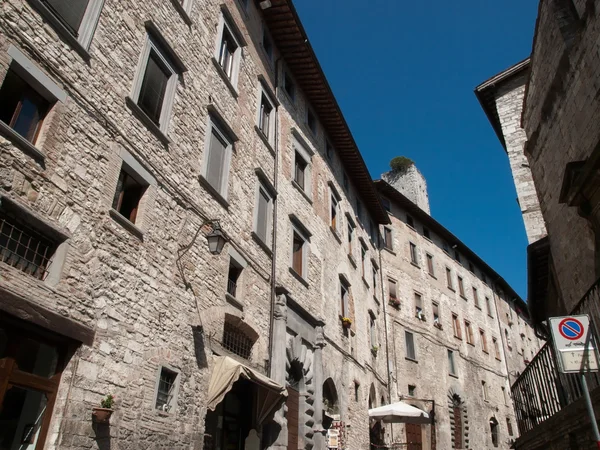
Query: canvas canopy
[[399, 413], [269, 394]]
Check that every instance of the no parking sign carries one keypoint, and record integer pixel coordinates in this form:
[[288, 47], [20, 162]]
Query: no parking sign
[[574, 343]]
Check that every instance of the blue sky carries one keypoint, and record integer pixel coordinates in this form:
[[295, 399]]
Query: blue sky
[[404, 73]]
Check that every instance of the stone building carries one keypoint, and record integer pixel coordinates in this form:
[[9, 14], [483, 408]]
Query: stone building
[[458, 334], [555, 119], [131, 134]]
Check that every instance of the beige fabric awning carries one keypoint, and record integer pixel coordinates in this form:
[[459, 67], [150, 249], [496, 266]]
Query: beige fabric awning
[[226, 371]]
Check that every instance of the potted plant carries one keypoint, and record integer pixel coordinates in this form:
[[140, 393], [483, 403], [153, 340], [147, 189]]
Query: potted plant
[[102, 414], [395, 302], [374, 349], [346, 322]]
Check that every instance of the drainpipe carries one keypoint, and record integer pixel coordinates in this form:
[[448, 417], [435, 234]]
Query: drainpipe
[[274, 233]]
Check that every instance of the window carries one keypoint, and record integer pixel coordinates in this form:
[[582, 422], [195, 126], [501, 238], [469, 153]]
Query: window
[[388, 241], [430, 268], [449, 278], [419, 307], [435, 309], [413, 254], [461, 287], [469, 333], [471, 267], [392, 290], [289, 86], [412, 390], [488, 305], [457, 256], [356, 391], [298, 253], [372, 330], [456, 326], [496, 348], [483, 341], [445, 247], [451, 363], [76, 21], [263, 214], [233, 277], [359, 210], [375, 275], [266, 124], [311, 121], [410, 221], [165, 392], [484, 278], [476, 297], [494, 431], [155, 84], [410, 345], [426, 233], [300, 169], [504, 396], [386, 204], [373, 232], [21, 107], [334, 207], [508, 339], [236, 341], [345, 298], [363, 257], [509, 426], [229, 51], [350, 238], [128, 194], [267, 44], [218, 151], [484, 390], [328, 150]]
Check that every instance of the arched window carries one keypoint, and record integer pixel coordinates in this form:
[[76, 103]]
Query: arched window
[[494, 431]]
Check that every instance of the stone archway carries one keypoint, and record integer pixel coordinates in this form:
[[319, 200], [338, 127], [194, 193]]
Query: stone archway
[[459, 420]]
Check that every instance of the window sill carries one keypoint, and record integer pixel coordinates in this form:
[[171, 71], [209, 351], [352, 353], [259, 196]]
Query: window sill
[[415, 264], [143, 117], [336, 234], [264, 138], [498, 359], [304, 194], [472, 344], [390, 250], [234, 301], [298, 277], [432, 275], [182, 12], [490, 316], [60, 29], [464, 298], [376, 300], [20, 142], [453, 376], [478, 307], [487, 353], [216, 194], [225, 78], [262, 244], [458, 337], [427, 239], [352, 260], [411, 360], [450, 288], [410, 227], [125, 223], [365, 282]]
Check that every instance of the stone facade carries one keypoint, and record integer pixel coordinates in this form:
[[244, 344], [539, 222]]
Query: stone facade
[[135, 304], [411, 183]]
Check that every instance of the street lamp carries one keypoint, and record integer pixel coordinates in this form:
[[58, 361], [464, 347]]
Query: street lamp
[[216, 239]]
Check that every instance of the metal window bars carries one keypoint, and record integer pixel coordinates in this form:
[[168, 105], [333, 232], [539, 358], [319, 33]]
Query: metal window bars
[[236, 341], [164, 394], [24, 248], [231, 287]]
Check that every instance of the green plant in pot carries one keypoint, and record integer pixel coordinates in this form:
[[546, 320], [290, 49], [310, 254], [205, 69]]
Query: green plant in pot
[[102, 414]]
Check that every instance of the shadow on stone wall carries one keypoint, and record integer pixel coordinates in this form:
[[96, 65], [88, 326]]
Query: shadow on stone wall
[[199, 347], [102, 436]]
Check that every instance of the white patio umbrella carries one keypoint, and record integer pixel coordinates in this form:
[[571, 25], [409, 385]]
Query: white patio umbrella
[[399, 413]]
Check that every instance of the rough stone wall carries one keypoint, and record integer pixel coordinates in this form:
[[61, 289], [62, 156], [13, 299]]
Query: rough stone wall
[[509, 104], [561, 110], [430, 373], [412, 184]]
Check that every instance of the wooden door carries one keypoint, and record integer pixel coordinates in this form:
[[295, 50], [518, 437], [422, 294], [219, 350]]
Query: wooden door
[[293, 409], [413, 437], [458, 428]]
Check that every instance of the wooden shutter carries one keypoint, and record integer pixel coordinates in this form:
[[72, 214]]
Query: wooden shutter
[[297, 254], [262, 214], [216, 161], [69, 12], [293, 406], [414, 436]]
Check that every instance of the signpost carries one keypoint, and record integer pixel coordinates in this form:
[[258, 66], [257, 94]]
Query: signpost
[[576, 353]]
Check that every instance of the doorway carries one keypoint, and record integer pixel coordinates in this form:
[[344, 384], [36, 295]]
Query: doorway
[[414, 437]]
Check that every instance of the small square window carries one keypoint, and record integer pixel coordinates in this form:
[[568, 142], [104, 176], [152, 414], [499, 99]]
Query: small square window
[[410, 221], [128, 195], [410, 345], [412, 390], [311, 121], [451, 363], [300, 166], [21, 107], [289, 86], [165, 393], [236, 341]]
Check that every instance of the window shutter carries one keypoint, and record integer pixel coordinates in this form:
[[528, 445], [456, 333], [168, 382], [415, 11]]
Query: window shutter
[[262, 218], [69, 12], [216, 161]]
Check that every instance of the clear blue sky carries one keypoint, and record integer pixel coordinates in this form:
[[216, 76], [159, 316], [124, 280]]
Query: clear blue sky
[[404, 73]]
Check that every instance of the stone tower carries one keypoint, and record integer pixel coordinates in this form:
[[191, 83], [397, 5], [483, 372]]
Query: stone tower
[[411, 183]]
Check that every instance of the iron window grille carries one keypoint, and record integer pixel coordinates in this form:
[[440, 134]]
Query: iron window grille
[[24, 248], [236, 341], [166, 389]]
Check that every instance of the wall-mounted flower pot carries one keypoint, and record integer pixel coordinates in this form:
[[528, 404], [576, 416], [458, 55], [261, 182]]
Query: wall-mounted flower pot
[[101, 415], [346, 323]]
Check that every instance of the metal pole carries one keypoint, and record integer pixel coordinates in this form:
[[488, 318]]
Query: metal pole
[[590, 408]]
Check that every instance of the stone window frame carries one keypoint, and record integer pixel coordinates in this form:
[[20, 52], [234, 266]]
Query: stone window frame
[[456, 326], [394, 282], [461, 286], [302, 149], [175, 398], [264, 92], [488, 306], [138, 172], [216, 122], [227, 23], [470, 337], [43, 85], [60, 237], [154, 41], [87, 28], [298, 228], [263, 183]]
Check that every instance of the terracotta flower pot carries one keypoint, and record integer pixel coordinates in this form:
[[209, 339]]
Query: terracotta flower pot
[[101, 415], [346, 323]]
